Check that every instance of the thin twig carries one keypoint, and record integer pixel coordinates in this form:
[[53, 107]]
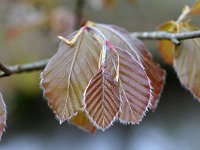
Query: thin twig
[[5, 70], [39, 65], [157, 35], [79, 12]]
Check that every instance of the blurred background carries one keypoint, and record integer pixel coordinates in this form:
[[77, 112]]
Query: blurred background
[[28, 32]]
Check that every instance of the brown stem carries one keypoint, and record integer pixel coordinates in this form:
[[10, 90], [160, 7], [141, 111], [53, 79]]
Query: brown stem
[[39, 65], [34, 66], [79, 12], [5, 70]]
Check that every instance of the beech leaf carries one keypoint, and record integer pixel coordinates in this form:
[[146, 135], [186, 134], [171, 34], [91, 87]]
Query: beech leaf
[[3, 115], [68, 73], [154, 72], [102, 101], [81, 120], [135, 91], [119, 37], [186, 64]]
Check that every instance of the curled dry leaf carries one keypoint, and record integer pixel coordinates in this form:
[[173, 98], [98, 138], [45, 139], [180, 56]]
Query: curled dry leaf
[[68, 73], [81, 120], [186, 64], [3, 115], [102, 101]]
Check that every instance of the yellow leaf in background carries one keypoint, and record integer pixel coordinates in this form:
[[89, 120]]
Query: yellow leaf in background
[[166, 47], [195, 9], [109, 3], [188, 26], [169, 26], [83, 122]]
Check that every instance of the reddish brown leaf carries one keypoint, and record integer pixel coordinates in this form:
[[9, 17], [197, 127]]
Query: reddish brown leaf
[[83, 122], [134, 87], [155, 73], [3, 115], [139, 53], [68, 73], [102, 100]]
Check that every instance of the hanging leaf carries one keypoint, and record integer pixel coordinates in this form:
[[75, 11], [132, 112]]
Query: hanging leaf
[[3, 115], [155, 73], [73, 83], [83, 122], [166, 47], [186, 64], [120, 38], [102, 102], [195, 9], [134, 86], [68, 73]]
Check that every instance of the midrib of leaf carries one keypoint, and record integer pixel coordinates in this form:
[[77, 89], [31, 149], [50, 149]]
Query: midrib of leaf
[[126, 99], [72, 65], [103, 94], [124, 93]]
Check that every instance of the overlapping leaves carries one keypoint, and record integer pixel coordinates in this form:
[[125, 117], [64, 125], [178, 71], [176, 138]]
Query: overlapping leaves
[[185, 58], [101, 74]]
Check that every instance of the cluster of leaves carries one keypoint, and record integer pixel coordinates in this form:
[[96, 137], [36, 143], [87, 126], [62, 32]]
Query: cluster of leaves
[[186, 57], [100, 74]]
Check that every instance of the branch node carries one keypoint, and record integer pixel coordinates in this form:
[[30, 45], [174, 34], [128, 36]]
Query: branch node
[[4, 69], [175, 41]]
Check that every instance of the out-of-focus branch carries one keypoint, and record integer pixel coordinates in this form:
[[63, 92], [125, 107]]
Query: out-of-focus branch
[[4, 69], [79, 12], [34, 66], [174, 37], [39, 65]]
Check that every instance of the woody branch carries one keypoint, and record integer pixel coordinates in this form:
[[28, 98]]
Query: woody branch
[[39, 65]]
